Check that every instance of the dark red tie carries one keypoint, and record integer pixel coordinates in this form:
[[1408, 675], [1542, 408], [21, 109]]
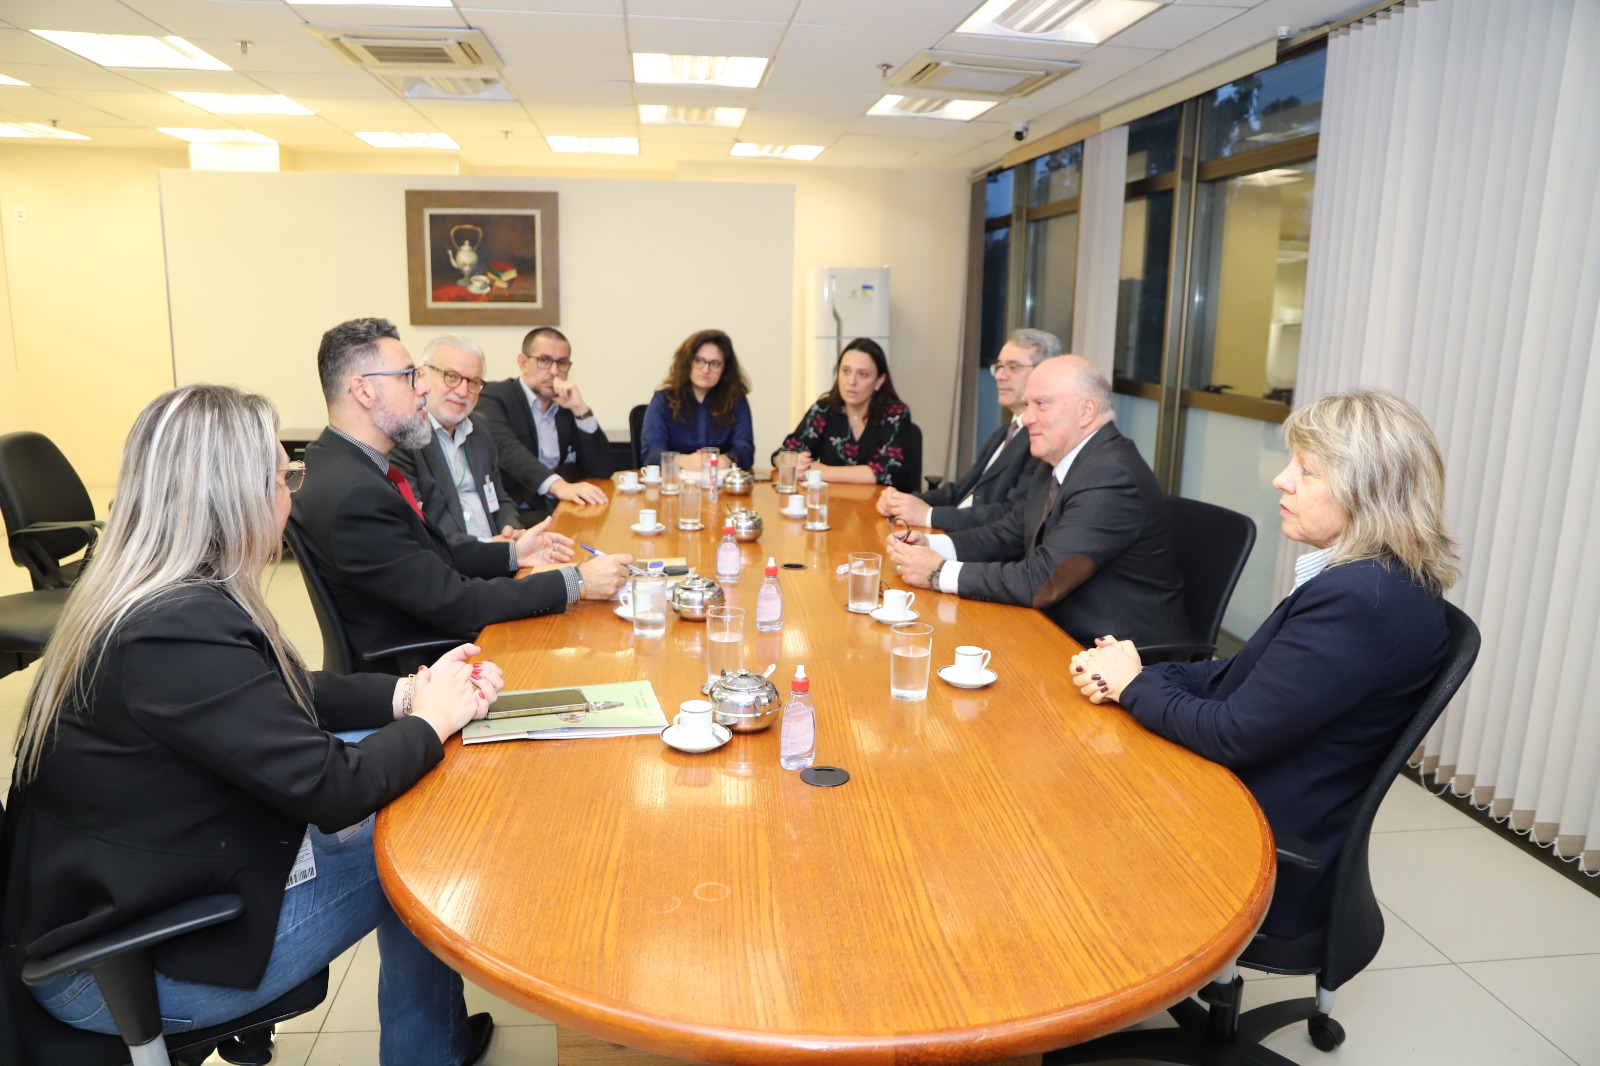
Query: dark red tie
[[1049, 505], [1011, 431], [404, 486]]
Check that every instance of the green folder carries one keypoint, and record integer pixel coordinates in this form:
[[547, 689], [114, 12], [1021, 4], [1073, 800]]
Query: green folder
[[640, 713]]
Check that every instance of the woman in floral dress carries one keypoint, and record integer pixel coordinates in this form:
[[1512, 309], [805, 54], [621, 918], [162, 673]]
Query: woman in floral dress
[[860, 432]]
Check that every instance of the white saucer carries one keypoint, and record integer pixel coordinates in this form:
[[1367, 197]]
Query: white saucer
[[947, 674], [636, 489], [890, 620], [719, 737], [861, 610], [643, 532], [649, 481], [624, 611], [792, 514]]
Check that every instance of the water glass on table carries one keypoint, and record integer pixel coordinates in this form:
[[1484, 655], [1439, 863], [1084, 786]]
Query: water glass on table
[[910, 655], [648, 594], [864, 572], [816, 504], [669, 473], [787, 471], [689, 505], [724, 641]]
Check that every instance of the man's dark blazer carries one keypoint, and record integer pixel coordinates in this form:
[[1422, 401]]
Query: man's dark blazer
[[504, 407], [1102, 561], [394, 578], [429, 472], [999, 488], [1307, 709]]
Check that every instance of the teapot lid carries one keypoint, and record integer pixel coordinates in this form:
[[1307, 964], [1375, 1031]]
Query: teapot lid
[[744, 681], [698, 581]]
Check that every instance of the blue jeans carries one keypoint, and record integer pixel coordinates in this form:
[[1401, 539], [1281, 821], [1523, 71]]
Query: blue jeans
[[420, 1006]]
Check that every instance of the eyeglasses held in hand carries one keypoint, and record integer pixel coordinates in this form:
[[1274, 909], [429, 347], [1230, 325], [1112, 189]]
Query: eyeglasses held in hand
[[294, 476], [409, 373], [1009, 368], [544, 362], [707, 364], [453, 380]]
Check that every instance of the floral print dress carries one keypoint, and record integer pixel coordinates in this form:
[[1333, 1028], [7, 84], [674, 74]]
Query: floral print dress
[[891, 445]]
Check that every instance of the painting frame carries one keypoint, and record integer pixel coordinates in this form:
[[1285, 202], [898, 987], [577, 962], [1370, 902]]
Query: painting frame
[[515, 276]]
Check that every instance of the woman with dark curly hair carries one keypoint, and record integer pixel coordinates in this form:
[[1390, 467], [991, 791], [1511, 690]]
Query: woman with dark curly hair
[[701, 404], [859, 432]]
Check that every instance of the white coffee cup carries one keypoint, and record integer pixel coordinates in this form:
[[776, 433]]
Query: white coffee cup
[[693, 721], [813, 477], [630, 479], [795, 505], [652, 473], [971, 662], [647, 518], [897, 603]]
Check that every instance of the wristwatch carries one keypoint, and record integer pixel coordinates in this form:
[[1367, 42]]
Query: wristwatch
[[933, 578]]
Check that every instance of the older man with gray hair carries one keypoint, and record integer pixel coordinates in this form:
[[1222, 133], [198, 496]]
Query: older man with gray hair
[[997, 482]]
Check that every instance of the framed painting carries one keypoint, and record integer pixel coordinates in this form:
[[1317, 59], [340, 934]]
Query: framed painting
[[482, 258]]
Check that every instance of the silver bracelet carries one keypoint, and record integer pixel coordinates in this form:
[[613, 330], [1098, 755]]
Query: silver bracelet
[[407, 694]]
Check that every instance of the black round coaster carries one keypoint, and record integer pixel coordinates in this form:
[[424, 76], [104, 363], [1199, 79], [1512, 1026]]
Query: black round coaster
[[794, 566], [824, 776]]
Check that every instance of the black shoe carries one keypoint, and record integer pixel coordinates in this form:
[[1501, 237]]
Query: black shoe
[[480, 1028]]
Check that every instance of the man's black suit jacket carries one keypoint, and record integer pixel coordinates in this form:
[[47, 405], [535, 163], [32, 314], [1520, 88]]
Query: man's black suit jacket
[[995, 490], [394, 578], [1102, 561], [430, 476], [504, 407]]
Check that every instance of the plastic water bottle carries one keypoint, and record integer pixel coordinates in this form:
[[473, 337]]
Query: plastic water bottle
[[728, 561], [797, 747], [769, 600]]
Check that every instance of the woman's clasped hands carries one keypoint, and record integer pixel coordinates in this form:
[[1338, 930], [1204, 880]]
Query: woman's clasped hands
[[1103, 671], [453, 691]]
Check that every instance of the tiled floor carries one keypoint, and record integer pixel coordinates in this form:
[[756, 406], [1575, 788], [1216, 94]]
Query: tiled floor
[[1490, 958]]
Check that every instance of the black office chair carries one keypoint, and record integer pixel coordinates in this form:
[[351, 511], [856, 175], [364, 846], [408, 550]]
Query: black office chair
[[47, 511], [339, 655], [1222, 1035], [1213, 544], [636, 432], [909, 478], [120, 961], [26, 621]]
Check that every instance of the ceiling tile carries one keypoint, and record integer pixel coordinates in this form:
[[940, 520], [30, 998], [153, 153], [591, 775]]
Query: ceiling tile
[[735, 10], [194, 81], [364, 114], [654, 135], [471, 111], [346, 84], [193, 19], [813, 76], [41, 106], [546, 115], [704, 37], [566, 128], [557, 64], [156, 109], [552, 32], [825, 103], [20, 46], [89, 16], [301, 53], [925, 129], [599, 93], [836, 44], [1221, 3], [793, 129], [940, 15], [880, 143], [581, 7], [1171, 26], [1008, 46], [73, 76], [411, 18], [694, 95]]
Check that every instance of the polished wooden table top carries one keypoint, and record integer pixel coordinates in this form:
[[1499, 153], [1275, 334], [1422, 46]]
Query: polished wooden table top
[[1008, 870]]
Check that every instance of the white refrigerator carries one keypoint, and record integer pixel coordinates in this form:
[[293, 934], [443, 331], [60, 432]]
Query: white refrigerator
[[842, 303]]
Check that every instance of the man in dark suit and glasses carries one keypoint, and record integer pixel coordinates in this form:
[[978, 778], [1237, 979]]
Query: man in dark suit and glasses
[[997, 482], [1091, 547], [457, 474], [548, 437]]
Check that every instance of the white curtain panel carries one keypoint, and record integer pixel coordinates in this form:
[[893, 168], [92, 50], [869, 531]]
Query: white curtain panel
[[1094, 306], [1455, 258]]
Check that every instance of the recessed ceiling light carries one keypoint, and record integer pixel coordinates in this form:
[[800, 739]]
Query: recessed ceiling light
[[408, 140], [133, 50], [243, 103], [5, 80], [927, 107], [608, 145], [1072, 21], [673, 115], [659, 68], [195, 135], [38, 129], [805, 152]]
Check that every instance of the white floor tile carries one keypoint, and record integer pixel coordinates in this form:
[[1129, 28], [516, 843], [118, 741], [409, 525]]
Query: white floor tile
[[294, 1049], [1409, 806], [1402, 948], [354, 1008], [1556, 996], [505, 1014], [344, 1049], [518, 1045], [312, 1020], [1474, 896]]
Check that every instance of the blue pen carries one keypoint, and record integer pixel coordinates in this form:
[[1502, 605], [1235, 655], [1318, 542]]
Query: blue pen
[[596, 551]]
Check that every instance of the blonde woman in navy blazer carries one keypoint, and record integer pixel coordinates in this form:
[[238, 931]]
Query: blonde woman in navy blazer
[[1309, 706]]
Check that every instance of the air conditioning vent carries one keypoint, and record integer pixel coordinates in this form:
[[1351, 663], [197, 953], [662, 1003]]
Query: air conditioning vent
[[986, 77], [399, 51], [405, 54]]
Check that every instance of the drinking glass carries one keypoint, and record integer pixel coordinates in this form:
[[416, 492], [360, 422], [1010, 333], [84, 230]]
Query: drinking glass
[[669, 473], [725, 641], [788, 466], [649, 596], [910, 655], [865, 568], [817, 505], [688, 504], [710, 459]]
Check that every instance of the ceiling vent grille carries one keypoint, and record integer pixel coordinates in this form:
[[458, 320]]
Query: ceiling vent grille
[[400, 51], [982, 76]]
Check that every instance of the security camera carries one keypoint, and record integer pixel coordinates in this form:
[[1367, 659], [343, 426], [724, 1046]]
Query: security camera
[[1020, 133]]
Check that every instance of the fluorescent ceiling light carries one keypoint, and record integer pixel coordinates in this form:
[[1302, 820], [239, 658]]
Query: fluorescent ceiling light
[[608, 145], [195, 135], [1071, 21], [243, 103], [5, 80], [927, 107], [132, 50], [658, 68], [38, 129], [806, 152], [408, 140], [673, 115]]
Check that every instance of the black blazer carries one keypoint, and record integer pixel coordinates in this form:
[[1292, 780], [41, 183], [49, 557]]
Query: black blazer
[[436, 489], [394, 578], [192, 771], [996, 490], [1102, 561], [504, 407], [1307, 709]]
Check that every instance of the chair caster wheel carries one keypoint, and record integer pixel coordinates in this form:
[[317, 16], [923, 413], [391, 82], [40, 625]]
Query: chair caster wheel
[[253, 1048], [1326, 1034]]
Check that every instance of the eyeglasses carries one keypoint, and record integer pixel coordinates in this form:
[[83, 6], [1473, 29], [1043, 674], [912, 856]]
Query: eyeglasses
[[294, 476], [544, 362], [453, 380], [707, 364], [1009, 368], [409, 373]]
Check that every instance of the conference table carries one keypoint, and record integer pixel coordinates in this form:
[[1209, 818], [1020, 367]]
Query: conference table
[[1008, 869]]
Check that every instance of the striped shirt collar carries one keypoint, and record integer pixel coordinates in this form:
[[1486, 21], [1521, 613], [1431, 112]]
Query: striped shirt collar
[[1310, 565]]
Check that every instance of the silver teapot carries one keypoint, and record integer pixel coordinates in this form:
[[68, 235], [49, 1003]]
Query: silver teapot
[[747, 525], [694, 596], [738, 482], [745, 702]]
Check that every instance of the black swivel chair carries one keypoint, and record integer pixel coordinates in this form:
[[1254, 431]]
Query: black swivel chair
[[339, 655], [1213, 544], [910, 477], [26, 622], [47, 511], [120, 961], [636, 432], [1222, 1035]]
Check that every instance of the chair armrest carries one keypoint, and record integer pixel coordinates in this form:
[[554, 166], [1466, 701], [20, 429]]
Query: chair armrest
[[441, 646], [1296, 852], [934, 481], [91, 526], [185, 917], [1183, 651]]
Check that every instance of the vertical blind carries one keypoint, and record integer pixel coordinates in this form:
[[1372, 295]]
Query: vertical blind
[[1094, 311], [1455, 258]]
